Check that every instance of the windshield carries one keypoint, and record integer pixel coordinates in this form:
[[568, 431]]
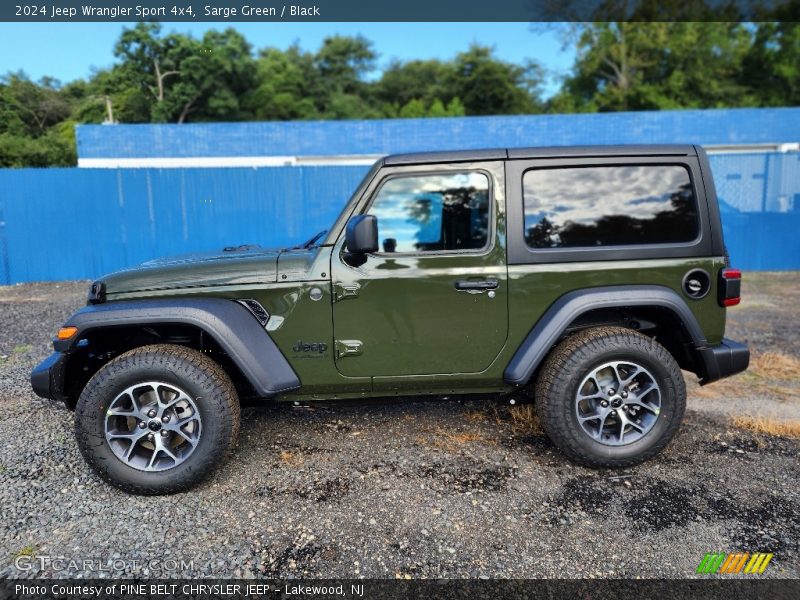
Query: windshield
[[333, 232]]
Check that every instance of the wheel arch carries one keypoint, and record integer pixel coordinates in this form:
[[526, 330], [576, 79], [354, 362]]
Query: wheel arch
[[224, 328], [655, 310]]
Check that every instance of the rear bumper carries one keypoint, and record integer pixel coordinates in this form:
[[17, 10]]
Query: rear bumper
[[47, 378], [724, 360]]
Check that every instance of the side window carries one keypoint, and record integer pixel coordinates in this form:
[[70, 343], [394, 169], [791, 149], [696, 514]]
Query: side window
[[577, 207], [433, 212]]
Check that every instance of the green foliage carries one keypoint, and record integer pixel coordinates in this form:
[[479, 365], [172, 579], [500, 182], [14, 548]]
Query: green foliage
[[670, 65], [487, 86], [176, 78]]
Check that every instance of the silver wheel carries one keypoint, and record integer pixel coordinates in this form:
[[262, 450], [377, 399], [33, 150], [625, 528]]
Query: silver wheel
[[618, 403], [153, 426]]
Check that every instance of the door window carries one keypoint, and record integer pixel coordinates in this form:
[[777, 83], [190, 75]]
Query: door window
[[433, 212]]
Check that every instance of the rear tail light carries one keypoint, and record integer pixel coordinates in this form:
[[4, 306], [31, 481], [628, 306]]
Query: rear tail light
[[730, 286]]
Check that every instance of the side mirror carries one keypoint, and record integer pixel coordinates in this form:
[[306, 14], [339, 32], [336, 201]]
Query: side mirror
[[361, 234]]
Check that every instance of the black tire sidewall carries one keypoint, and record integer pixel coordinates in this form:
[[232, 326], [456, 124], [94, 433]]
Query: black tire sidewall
[[655, 438], [100, 393]]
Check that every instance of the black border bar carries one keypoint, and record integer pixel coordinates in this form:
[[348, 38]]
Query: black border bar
[[391, 10], [710, 588]]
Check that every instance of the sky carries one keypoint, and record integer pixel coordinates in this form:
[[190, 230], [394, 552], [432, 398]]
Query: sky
[[68, 51]]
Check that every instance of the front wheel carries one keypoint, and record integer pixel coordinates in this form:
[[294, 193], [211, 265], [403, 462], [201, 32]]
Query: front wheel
[[610, 397], [157, 419]]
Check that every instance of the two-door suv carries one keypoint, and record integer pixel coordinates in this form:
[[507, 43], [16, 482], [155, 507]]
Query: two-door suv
[[585, 278]]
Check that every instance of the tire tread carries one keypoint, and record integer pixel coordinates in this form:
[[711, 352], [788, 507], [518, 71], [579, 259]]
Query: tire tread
[[186, 363], [567, 359]]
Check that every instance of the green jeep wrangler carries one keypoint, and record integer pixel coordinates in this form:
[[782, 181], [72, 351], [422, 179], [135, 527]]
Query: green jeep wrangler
[[585, 278]]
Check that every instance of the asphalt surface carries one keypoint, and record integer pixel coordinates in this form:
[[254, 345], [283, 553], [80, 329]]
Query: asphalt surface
[[447, 488]]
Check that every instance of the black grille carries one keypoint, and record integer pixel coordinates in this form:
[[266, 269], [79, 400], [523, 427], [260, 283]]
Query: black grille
[[258, 311]]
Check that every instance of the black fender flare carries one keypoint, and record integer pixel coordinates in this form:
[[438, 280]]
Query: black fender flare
[[229, 323], [551, 326]]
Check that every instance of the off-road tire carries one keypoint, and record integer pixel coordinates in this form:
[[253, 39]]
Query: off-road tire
[[204, 380], [573, 359]]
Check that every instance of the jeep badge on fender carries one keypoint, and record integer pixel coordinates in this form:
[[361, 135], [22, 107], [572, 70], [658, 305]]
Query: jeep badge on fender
[[302, 346], [589, 276]]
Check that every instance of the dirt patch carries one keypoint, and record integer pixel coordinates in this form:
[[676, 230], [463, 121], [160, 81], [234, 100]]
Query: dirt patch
[[761, 525], [585, 493], [661, 505], [329, 490], [466, 479], [301, 558]]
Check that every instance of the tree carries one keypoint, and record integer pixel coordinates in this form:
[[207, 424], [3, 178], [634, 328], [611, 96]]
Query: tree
[[214, 75], [658, 65], [668, 60], [772, 65], [287, 86], [185, 76], [424, 80], [488, 86], [143, 52], [30, 108], [31, 123], [417, 109], [344, 61]]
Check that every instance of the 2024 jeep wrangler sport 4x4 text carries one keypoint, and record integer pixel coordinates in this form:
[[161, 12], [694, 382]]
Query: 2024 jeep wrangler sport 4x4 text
[[588, 277]]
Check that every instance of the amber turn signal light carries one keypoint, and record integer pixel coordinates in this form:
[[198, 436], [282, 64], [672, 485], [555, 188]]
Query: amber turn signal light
[[66, 332]]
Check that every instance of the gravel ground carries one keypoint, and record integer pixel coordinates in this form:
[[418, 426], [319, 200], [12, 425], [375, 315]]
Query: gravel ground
[[456, 488]]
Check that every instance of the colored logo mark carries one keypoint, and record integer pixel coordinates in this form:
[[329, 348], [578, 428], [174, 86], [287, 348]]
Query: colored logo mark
[[738, 562]]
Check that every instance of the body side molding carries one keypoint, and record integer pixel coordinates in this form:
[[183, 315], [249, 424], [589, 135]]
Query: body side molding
[[230, 324], [568, 307]]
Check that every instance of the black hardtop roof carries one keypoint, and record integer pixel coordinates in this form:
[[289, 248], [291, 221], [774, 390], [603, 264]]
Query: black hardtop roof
[[544, 152]]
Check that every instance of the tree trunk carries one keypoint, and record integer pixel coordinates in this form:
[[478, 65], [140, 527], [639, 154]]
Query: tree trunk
[[186, 108], [109, 110], [160, 78]]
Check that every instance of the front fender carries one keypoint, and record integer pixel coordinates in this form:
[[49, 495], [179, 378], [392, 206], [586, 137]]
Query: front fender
[[230, 324]]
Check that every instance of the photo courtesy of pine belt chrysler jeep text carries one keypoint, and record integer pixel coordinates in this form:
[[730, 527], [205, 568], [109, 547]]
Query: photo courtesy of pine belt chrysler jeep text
[[585, 278]]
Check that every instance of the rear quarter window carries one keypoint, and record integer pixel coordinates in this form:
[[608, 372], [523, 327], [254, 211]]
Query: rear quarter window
[[601, 206]]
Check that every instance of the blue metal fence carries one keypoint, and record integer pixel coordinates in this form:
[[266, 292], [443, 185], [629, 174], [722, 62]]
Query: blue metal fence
[[80, 223], [759, 198], [390, 136]]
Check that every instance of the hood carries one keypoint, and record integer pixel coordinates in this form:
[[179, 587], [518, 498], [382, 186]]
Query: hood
[[235, 266]]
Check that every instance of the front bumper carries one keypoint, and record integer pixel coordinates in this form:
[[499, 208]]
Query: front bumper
[[724, 360], [47, 378]]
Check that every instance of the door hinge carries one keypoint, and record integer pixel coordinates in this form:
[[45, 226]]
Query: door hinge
[[348, 348], [343, 291]]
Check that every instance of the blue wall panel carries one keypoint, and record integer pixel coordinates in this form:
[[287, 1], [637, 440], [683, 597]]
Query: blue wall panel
[[80, 223], [759, 198], [334, 138]]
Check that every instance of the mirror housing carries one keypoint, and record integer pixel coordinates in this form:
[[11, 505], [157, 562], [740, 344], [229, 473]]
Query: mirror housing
[[361, 234]]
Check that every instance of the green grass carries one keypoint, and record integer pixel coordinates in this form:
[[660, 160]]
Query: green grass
[[22, 348], [28, 550]]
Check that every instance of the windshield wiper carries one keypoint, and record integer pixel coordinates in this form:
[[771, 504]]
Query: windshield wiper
[[312, 242]]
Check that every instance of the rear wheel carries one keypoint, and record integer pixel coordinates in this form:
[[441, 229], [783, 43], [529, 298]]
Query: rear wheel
[[610, 397], [157, 419]]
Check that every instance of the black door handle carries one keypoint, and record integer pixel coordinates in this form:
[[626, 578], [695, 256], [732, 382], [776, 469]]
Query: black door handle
[[484, 284]]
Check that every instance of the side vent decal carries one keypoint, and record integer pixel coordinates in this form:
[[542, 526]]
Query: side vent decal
[[255, 308]]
